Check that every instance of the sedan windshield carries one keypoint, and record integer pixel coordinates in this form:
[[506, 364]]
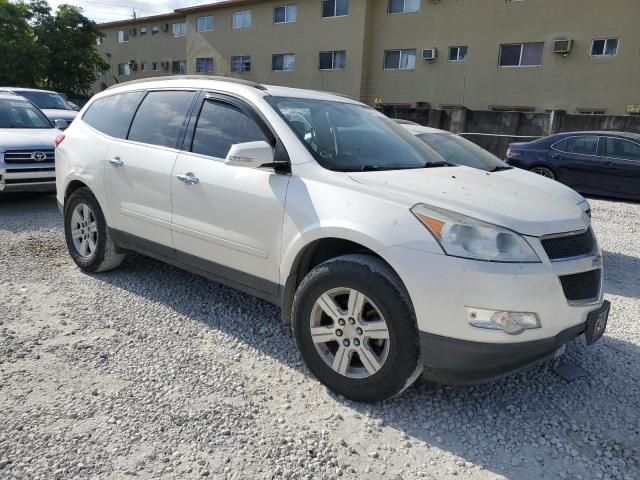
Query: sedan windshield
[[461, 151], [350, 137], [19, 113], [45, 100]]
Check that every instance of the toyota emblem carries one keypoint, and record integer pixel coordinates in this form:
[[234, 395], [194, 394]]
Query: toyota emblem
[[38, 156]]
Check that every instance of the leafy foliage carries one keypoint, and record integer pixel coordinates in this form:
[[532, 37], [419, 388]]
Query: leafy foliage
[[39, 48]]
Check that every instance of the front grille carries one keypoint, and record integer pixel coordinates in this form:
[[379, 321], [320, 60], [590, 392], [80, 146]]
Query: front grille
[[28, 156], [581, 286], [569, 246]]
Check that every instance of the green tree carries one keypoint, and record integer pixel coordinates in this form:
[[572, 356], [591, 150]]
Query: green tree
[[21, 62], [68, 39]]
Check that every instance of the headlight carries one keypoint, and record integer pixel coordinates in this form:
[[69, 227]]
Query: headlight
[[462, 236]]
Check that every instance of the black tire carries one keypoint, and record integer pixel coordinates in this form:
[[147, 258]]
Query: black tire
[[380, 284], [543, 171], [106, 255]]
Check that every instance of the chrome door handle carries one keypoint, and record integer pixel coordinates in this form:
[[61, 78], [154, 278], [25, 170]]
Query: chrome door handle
[[188, 178], [116, 161]]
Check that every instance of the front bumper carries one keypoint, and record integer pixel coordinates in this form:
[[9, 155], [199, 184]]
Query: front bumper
[[460, 362], [42, 179]]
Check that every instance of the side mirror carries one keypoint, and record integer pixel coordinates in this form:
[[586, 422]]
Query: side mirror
[[61, 124], [250, 155]]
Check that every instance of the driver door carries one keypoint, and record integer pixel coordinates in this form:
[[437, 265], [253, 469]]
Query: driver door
[[228, 219]]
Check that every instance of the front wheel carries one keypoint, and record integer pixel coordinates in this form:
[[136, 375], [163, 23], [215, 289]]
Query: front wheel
[[355, 328], [85, 229]]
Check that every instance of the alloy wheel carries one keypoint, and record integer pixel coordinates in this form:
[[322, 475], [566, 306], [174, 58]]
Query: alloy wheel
[[349, 332], [84, 230]]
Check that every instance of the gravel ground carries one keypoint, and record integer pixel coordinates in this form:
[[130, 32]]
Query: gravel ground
[[152, 372]]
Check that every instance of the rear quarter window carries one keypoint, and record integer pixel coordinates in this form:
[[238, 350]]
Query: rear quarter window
[[110, 115]]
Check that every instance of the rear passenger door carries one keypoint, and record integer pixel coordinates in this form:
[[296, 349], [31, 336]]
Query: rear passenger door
[[578, 162], [138, 167], [622, 158], [230, 222]]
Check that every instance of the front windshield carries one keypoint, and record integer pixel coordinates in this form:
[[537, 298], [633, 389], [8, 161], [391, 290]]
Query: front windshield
[[461, 151], [50, 100], [19, 113], [350, 137]]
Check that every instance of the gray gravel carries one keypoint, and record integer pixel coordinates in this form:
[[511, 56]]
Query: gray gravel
[[152, 372]]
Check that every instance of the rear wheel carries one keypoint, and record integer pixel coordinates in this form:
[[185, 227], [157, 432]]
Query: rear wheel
[[355, 328], [544, 171], [86, 234]]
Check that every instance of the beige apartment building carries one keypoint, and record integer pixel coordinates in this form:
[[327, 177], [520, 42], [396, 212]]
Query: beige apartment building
[[581, 56]]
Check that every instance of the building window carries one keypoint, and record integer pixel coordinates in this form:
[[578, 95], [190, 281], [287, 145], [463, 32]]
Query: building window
[[155, 30], [143, 31], [335, 8], [204, 65], [521, 54], [333, 60], [99, 40], [404, 6], [400, 59], [285, 13], [457, 54], [591, 111], [156, 66], [179, 66], [283, 62], [179, 29], [241, 19], [124, 69], [144, 66], [205, 24], [241, 64], [123, 36], [604, 47]]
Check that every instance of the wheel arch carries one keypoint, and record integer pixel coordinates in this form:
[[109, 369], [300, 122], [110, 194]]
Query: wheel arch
[[313, 254]]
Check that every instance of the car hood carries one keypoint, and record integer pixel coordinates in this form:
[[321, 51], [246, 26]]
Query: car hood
[[542, 183], [27, 138], [512, 201], [55, 114]]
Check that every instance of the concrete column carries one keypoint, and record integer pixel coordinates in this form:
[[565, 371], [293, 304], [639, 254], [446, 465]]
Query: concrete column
[[556, 122], [434, 118], [458, 122]]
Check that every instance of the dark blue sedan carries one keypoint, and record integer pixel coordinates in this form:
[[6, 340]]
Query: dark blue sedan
[[599, 163]]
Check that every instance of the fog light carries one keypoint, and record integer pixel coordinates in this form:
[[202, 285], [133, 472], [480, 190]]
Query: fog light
[[513, 323]]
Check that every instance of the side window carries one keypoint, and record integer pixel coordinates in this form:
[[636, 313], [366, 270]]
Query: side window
[[560, 146], [587, 145], [221, 125], [618, 148], [160, 117], [110, 114]]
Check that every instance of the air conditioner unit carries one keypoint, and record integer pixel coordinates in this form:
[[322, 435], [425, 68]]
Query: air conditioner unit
[[429, 54], [562, 45], [132, 32], [165, 27]]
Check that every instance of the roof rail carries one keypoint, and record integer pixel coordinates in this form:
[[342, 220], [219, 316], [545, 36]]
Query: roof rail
[[239, 81]]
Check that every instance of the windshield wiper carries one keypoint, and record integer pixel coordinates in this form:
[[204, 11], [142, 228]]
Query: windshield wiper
[[438, 164], [500, 168]]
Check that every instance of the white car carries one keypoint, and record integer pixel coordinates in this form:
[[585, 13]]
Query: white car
[[386, 260], [27, 139], [52, 104]]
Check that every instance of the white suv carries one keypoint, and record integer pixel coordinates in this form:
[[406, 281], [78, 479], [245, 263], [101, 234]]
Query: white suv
[[385, 259]]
